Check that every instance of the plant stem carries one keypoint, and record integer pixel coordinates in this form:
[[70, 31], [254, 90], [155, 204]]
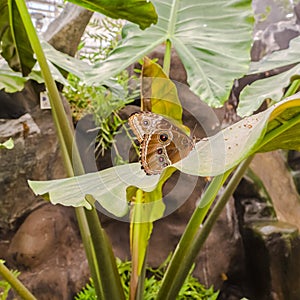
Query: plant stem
[[92, 234], [15, 283], [293, 88], [139, 237], [182, 259], [111, 287], [195, 235], [220, 204], [167, 57]]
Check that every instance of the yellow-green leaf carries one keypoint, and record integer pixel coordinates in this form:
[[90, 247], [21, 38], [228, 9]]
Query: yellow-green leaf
[[158, 92]]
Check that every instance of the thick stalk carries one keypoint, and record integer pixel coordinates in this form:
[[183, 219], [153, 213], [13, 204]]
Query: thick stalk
[[183, 258], [91, 234], [204, 231], [293, 88], [139, 236], [167, 57]]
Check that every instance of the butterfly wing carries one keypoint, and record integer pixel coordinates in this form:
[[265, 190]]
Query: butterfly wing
[[163, 148], [162, 143], [143, 123]]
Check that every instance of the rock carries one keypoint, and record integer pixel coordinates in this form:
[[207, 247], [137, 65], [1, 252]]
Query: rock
[[271, 168], [14, 105], [276, 29], [271, 247], [35, 156], [65, 32], [47, 249], [273, 260], [221, 259]]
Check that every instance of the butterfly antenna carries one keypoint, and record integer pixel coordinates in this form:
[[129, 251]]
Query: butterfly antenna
[[195, 139], [193, 131]]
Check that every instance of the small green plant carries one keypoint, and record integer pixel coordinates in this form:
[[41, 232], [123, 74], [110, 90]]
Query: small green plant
[[103, 103], [104, 34], [191, 289], [5, 286], [8, 144]]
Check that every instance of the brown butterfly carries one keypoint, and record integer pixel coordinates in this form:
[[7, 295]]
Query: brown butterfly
[[162, 142]]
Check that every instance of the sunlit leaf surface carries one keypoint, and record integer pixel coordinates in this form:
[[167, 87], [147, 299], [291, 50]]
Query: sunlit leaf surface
[[277, 127], [212, 39]]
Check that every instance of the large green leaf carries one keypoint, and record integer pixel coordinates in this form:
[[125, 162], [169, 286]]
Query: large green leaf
[[272, 87], [212, 38], [108, 187], [277, 127], [15, 46], [141, 12], [11, 81], [75, 66], [65, 61], [158, 92]]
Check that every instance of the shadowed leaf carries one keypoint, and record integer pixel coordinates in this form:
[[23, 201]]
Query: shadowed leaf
[[141, 12]]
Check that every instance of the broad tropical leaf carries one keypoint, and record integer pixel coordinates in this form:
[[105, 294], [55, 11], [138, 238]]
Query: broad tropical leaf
[[277, 127], [212, 40], [11, 81], [272, 87], [15, 46], [108, 187], [141, 12], [72, 65], [158, 92]]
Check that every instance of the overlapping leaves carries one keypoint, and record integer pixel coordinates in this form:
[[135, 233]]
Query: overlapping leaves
[[272, 129], [15, 46], [272, 87]]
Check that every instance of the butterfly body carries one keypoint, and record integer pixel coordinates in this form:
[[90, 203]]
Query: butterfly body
[[162, 142]]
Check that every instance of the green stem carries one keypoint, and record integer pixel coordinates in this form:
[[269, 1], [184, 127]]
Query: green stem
[[111, 287], [185, 252], [141, 282], [167, 57], [89, 249], [17, 285], [220, 204], [92, 234], [194, 236], [139, 237], [293, 88]]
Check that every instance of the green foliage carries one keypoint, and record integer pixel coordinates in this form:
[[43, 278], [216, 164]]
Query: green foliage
[[191, 289], [212, 40], [269, 130], [141, 12], [15, 46], [102, 101], [5, 286], [104, 33], [252, 96], [8, 144], [87, 293]]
